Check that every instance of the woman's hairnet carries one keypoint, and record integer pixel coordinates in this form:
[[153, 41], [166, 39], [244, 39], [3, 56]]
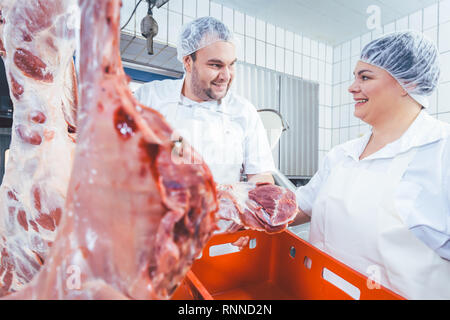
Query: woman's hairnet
[[411, 58], [200, 33]]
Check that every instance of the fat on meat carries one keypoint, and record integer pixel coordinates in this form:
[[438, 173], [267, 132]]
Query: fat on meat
[[36, 44], [258, 206], [136, 218]]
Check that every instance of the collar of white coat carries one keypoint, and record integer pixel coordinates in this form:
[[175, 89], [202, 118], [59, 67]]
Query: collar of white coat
[[176, 97], [424, 130]]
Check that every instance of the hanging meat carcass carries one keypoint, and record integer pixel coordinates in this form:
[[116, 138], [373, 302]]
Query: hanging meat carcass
[[36, 44], [135, 218]]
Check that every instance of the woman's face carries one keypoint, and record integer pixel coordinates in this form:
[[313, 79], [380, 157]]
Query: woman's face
[[376, 93]]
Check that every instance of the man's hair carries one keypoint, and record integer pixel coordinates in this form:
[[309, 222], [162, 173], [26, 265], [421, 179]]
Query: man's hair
[[194, 56]]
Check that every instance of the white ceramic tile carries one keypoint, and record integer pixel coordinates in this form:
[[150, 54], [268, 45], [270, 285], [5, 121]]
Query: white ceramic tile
[[388, 28], [327, 139], [445, 67], [356, 46], [271, 34], [297, 64], [329, 56], [175, 22], [444, 98], [298, 43], [345, 50], [239, 22], [270, 56], [444, 37], [161, 16], [337, 53], [250, 50], [228, 17], [353, 132], [306, 67], [202, 8], [328, 95], [328, 118], [433, 103], [250, 26], [376, 33], [314, 49], [322, 51], [344, 116], [430, 16], [176, 6], [189, 8], [279, 59], [328, 73], [401, 24], [280, 37], [337, 73], [444, 11], [336, 117], [289, 62], [240, 46], [335, 138], [260, 53], [306, 47], [321, 137], [321, 72], [260, 30], [345, 70], [444, 117], [365, 39], [415, 21], [432, 34], [336, 95], [216, 10], [343, 133], [321, 117], [289, 40], [314, 70]]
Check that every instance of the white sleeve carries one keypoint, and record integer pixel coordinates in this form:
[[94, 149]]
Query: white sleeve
[[257, 153], [307, 194], [145, 95]]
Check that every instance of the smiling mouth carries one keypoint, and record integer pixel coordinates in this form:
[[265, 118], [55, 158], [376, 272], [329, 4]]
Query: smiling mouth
[[361, 102], [220, 85]]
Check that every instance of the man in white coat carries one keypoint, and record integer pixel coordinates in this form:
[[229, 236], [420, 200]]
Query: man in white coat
[[222, 127]]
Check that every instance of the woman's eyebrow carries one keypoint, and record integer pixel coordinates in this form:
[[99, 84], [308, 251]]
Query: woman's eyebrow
[[361, 71]]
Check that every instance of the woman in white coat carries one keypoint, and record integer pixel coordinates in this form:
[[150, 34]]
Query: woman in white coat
[[381, 203]]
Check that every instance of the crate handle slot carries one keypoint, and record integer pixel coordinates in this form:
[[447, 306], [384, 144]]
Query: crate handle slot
[[341, 283], [292, 252], [307, 262], [221, 249]]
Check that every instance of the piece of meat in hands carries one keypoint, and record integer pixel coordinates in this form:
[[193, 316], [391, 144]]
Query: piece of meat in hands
[[261, 206]]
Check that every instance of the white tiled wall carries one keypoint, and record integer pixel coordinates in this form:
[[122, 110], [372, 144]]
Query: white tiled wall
[[433, 21]]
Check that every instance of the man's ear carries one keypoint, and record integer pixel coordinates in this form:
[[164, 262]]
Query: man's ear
[[187, 62]]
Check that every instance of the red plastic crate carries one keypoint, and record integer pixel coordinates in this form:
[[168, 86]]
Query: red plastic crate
[[280, 266]]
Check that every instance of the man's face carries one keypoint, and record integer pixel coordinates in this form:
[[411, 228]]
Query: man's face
[[212, 71]]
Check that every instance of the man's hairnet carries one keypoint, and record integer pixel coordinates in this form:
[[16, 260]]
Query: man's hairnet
[[200, 33], [411, 58]]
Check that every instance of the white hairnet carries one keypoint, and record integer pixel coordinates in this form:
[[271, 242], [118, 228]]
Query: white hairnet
[[200, 33], [411, 58]]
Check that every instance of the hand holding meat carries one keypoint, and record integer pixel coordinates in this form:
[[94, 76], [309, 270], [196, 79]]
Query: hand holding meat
[[261, 206]]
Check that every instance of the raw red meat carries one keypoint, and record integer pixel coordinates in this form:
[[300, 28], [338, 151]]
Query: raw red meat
[[261, 206], [135, 218], [37, 44]]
